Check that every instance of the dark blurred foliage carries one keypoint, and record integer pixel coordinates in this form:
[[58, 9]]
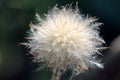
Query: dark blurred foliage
[[15, 16]]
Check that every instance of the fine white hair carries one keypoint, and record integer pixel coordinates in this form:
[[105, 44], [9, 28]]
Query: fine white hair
[[64, 39]]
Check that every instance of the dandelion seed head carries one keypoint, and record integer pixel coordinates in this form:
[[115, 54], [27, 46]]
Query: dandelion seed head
[[66, 39]]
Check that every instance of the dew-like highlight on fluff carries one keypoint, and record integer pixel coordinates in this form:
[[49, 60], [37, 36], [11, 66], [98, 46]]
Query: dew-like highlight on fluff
[[65, 39]]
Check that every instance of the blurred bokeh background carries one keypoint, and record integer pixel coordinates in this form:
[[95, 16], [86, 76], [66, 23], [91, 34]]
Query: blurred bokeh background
[[15, 16]]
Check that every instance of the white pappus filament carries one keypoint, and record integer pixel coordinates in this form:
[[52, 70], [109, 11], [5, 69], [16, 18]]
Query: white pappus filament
[[65, 39]]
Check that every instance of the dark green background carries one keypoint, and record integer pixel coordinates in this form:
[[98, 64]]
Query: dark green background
[[15, 16]]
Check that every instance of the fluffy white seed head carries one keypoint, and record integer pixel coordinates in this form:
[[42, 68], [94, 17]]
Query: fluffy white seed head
[[66, 39]]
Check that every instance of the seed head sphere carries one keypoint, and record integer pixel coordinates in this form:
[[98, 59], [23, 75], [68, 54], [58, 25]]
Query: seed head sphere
[[65, 39]]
